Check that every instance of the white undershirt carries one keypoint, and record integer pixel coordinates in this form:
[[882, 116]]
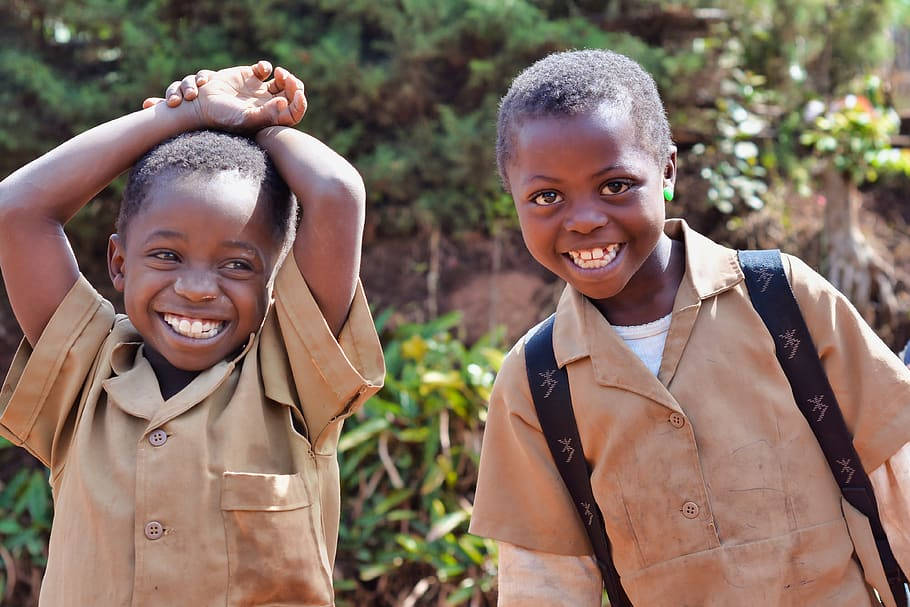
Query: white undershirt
[[647, 340]]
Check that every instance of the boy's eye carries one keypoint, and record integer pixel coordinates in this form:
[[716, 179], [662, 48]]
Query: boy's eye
[[615, 187], [546, 198], [238, 264], [165, 256]]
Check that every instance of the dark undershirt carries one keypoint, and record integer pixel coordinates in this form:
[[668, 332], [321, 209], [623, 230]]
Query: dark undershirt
[[171, 380]]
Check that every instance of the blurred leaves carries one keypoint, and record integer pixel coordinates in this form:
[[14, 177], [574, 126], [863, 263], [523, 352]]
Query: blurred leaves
[[408, 469], [854, 134], [406, 90], [25, 522]]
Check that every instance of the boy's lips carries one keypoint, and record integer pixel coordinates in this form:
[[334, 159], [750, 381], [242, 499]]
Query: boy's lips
[[595, 257], [192, 327]]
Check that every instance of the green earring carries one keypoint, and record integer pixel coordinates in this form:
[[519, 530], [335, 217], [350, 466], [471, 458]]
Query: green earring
[[668, 194]]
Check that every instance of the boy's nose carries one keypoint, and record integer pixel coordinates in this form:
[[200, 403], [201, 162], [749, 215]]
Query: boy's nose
[[586, 216], [196, 286]]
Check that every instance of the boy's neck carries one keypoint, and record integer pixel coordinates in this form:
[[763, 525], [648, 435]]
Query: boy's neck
[[171, 380], [654, 297]]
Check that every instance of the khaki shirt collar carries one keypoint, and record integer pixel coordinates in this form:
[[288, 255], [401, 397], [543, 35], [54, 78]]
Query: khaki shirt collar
[[580, 330], [134, 387]]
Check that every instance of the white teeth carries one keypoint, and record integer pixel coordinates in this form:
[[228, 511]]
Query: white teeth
[[196, 328], [597, 257]]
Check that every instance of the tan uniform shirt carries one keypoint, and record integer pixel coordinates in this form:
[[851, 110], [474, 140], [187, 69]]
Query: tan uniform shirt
[[225, 494], [713, 488]]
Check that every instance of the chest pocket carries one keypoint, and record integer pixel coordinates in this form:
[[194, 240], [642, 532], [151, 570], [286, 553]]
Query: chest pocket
[[276, 548]]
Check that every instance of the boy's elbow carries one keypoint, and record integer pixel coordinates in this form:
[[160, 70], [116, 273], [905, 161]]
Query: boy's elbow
[[345, 191], [11, 209], [20, 206], [355, 190]]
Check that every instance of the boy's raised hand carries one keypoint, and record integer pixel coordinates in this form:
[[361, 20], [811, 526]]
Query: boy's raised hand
[[240, 98]]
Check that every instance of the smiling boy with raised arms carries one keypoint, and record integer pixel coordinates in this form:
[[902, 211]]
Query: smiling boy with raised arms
[[191, 442]]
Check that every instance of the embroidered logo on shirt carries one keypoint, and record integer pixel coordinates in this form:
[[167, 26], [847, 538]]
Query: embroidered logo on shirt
[[791, 342], [588, 513], [567, 448], [846, 469], [819, 406], [764, 277], [549, 382]]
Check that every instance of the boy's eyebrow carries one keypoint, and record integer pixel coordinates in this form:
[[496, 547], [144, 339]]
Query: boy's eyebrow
[[544, 177], [166, 234], [603, 171], [612, 167], [240, 244]]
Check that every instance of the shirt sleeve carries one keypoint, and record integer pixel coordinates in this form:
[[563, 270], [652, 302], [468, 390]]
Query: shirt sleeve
[[871, 384], [44, 384], [528, 578], [331, 377], [521, 498], [891, 485]]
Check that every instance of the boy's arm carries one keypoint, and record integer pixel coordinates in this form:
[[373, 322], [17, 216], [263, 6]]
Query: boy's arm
[[332, 201], [36, 201], [330, 192]]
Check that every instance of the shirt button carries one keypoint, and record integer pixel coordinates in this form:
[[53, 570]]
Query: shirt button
[[677, 420], [158, 437], [154, 530], [690, 510]]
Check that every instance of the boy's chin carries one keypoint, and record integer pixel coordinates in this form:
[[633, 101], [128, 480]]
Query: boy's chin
[[195, 357]]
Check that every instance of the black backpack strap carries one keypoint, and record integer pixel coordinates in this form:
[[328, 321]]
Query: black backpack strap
[[774, 301], [550, 391]]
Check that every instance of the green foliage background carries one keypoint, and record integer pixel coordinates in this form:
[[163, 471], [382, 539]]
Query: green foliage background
[[408, 91]]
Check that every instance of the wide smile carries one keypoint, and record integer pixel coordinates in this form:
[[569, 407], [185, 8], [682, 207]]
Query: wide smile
[[594, 258], [198, 329]]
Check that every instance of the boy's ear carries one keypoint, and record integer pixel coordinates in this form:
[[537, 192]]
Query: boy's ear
[[670, 168], [116, 256]]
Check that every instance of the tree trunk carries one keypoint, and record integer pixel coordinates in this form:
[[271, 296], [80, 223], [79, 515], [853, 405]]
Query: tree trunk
[[853, 266]]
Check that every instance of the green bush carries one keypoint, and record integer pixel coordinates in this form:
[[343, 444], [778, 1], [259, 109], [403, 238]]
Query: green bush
[[408, 470], [25, 521]]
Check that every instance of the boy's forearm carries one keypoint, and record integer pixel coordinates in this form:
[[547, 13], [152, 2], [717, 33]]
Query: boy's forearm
[[332, 199], [56, 185], [38, 199], [315, 172]]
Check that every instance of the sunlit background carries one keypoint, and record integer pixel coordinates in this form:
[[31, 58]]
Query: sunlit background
[[793, 122]]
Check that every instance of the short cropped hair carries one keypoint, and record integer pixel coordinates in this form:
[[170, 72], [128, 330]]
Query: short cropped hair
[[574, 82], [207, 153]]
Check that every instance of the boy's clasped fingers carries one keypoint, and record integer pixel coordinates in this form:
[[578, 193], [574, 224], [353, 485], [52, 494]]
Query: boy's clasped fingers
[[172, 94], [262, 69], [291, 88], [242, 97], [296, 108], [187, 89], [189, 86]]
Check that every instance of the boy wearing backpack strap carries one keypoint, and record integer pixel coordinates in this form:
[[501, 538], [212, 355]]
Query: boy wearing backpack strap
[[712, 487]]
